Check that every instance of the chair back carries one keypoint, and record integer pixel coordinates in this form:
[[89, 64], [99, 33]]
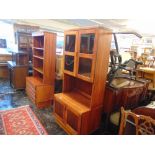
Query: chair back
[[132, 123]]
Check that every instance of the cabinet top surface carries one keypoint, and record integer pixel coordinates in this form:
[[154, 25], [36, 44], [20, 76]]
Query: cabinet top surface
[[89, 27], [41, 33], [35, 80]]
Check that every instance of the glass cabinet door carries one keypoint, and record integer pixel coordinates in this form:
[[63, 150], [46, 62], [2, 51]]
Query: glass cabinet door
[[85, 66], [87, 43], [70, 51], [70, 43], [86, 54], [69, 63]]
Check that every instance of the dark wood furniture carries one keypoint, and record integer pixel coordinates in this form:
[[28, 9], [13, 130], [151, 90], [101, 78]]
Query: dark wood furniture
[[78, 108], [18, 75], [18, 69], [23, 38], [40, 87], [20, 58], [148, 110], [24, 42], [123, 92]]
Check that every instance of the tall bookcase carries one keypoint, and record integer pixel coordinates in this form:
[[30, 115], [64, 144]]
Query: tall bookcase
[[40, 87], [78, 108]]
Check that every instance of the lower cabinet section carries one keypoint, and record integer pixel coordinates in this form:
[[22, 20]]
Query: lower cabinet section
[[39, 94], [73, 116], [71, 119]]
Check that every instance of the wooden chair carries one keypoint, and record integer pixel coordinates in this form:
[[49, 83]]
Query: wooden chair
[[132, 123]]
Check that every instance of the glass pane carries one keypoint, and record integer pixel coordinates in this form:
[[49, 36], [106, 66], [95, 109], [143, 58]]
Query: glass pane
[[87, 43], [85, 66], [69, 63], [70, 43]]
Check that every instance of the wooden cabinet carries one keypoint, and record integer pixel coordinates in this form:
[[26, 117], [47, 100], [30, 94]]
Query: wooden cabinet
[[20, 58], [69, 111], [124, 92], [24, 42], [40, 87], [86, 53], [17, 67], [18, 75]]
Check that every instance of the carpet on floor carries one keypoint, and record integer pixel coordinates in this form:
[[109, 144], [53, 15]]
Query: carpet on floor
[[20, 121]]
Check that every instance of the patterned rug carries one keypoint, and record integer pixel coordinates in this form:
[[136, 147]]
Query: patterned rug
[[20, 121]]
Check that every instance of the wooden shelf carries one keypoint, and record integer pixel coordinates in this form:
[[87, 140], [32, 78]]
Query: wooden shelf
[[38, 48], [39, 57], [39, 69], [74, 100]]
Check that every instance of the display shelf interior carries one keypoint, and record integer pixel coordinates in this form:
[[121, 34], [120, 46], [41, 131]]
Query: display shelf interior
[[38, 52], [82, 88], [39, 69], [38, 75], [85, 66], [39, 57], [38, 42]]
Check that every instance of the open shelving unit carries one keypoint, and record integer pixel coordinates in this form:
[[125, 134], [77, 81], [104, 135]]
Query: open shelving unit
[[86, 54], [40, 87]]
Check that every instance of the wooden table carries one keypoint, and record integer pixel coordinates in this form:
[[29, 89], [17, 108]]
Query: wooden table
[[147, 73]]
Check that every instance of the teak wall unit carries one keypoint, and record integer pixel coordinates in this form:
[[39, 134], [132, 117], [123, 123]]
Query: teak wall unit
[[78, 108], [40, 87]]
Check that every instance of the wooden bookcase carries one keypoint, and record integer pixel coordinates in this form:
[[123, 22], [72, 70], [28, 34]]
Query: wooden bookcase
[[78, 108], [40, 87]]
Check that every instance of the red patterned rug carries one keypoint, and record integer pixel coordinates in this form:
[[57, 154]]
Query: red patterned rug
[[20, 121]]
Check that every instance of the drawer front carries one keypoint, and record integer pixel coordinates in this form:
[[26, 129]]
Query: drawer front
[[29, 85], [30, 90], [43, 93]]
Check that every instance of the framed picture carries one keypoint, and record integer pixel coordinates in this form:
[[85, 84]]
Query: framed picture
[[3, 43]]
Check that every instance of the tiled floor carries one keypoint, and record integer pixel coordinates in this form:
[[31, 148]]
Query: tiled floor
[[10, 98]]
